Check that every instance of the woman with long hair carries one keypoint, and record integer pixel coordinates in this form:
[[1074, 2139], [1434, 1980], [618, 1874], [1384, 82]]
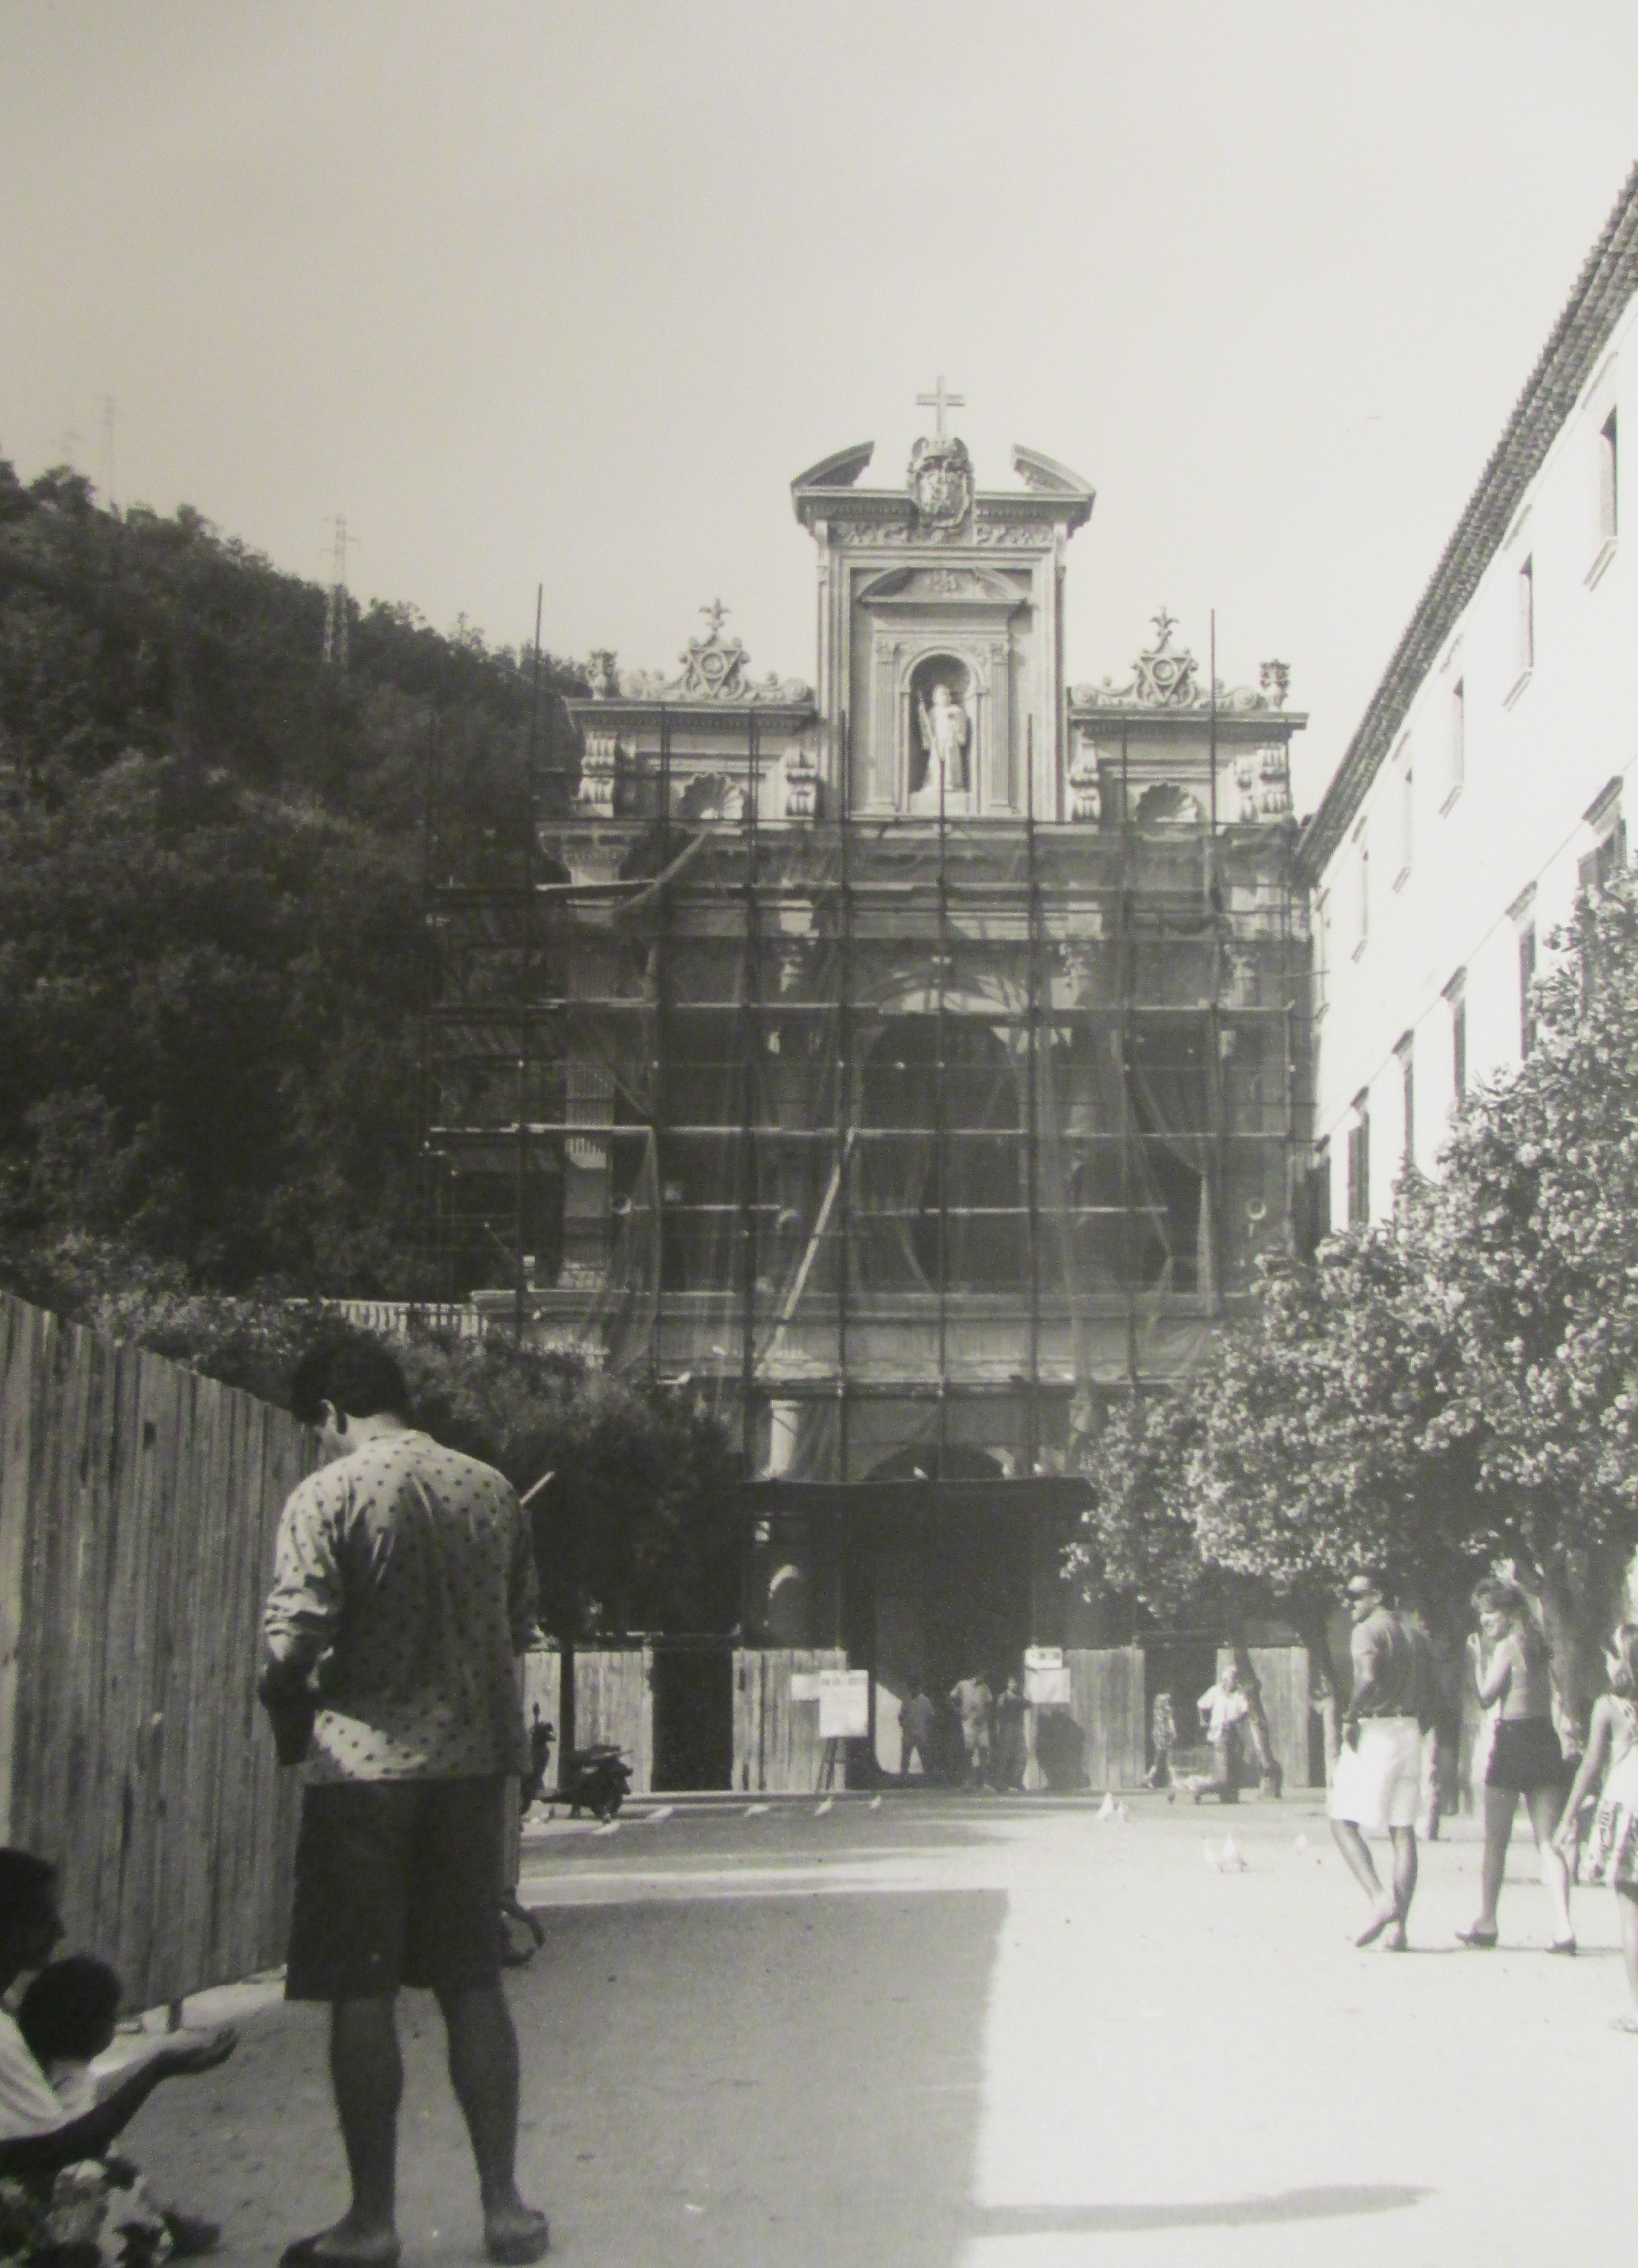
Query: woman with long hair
[[1512, 1673]]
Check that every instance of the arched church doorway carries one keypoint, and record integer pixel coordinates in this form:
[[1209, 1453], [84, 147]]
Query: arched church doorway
[[944, 1168]]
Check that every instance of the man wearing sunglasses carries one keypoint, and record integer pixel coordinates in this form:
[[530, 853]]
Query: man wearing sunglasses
[[1378, 1780]]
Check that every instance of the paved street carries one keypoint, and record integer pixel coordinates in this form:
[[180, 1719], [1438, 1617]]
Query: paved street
[[984, 2034]]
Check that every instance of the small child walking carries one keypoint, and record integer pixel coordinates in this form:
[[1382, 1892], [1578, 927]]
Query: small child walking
[[1611, 1758]]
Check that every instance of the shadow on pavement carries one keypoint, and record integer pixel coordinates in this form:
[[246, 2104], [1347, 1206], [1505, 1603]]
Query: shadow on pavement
[[1340, 2203]]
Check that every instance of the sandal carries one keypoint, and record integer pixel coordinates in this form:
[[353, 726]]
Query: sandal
[[1479, 1941], [313, 2252], [520, 2243]]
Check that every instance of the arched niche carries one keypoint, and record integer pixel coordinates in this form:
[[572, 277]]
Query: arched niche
[[942, 733]]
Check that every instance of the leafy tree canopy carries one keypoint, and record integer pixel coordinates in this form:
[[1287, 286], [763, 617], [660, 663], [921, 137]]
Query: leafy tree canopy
[[1454, 1388], [211, 948]]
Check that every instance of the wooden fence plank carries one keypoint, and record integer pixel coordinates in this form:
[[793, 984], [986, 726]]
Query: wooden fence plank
[[614, 1701], [777, 1749], [137, 1509], [1106, 1704]]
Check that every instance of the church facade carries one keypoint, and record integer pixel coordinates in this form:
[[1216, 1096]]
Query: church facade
[[905, 1062]]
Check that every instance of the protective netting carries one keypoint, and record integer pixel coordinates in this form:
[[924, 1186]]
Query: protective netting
[[896, 1139]]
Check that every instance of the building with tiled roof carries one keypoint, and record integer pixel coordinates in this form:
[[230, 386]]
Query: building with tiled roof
[[1486, 781]]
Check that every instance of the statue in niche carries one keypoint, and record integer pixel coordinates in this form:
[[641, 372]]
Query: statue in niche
[[946, 730]]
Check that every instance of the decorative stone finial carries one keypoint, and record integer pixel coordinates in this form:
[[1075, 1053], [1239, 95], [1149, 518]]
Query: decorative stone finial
[[601, 674], [1274, 677]]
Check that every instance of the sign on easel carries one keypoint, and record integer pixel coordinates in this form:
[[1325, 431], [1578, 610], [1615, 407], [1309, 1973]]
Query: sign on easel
[[844, 1705], [1046, 1677]]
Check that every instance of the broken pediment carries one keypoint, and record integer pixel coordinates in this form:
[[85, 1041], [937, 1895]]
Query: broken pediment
[[838, 471], [1047, 477]]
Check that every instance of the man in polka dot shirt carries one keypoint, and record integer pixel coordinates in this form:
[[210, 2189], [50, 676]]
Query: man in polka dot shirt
[[403, 1591]]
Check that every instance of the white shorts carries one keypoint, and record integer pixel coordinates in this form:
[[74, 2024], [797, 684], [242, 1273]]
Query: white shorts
[[1378, 1784]]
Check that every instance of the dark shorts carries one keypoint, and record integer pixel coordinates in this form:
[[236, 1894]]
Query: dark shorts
[[1526, 1754], [398, 1882]]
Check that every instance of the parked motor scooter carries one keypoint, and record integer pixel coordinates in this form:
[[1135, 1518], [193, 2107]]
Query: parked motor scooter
[[597, 1779]]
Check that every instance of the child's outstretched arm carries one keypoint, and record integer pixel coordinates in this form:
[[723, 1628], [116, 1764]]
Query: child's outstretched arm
[[1589, 1776]]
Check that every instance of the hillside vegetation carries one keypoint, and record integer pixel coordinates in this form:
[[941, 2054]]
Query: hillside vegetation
[[212, 950]]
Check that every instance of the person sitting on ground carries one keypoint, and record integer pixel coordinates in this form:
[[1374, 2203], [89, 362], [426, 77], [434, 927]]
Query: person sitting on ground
[[40, 2134], [1222, 1707], [1613, 1756], [68, 2016], [1512, 1673]]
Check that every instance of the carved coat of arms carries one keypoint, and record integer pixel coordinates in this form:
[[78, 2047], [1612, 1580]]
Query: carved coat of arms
[[941, 480]]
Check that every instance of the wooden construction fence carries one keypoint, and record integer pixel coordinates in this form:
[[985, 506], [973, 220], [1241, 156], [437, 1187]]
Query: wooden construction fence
[[139, 1504], [614, 1701], [1107, 1703], [777, 1747]]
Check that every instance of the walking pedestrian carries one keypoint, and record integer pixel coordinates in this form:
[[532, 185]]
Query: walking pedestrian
[[1613, 1756], [539, 1756], [1162, 1739], [1511, 1672], [1011, 1749], [972, 1700], [403, 1595], [917, 1725], [1377, 1785], [1222, 1709]]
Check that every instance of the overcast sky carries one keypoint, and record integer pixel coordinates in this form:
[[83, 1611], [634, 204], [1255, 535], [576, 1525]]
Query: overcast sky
[[569, 293]]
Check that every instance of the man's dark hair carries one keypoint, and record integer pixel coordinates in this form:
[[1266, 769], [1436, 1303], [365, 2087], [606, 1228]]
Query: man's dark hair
[[69, 2009], [29, 1891], [356, 1374], [1376, 1576]]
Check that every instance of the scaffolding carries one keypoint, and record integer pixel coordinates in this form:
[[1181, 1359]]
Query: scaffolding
[[904, 1141]]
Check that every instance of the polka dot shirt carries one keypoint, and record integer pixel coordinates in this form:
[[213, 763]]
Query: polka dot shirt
[[403, 1574]]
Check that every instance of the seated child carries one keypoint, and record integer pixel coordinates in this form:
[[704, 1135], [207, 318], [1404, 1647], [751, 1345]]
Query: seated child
[[67, 2016]]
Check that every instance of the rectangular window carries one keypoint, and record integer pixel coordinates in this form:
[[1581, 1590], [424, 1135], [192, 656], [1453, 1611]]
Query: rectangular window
[[1359, 1163], [1406, 1054], [1321, 1222], [1458, 737], [1408, 821], [1609, 481], [1361, 888], [1608, 823], [1525, 656], [1458, 1044], [1526, 979]]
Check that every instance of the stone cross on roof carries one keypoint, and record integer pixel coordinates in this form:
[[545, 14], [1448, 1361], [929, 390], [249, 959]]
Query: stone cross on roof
[[939, 401]]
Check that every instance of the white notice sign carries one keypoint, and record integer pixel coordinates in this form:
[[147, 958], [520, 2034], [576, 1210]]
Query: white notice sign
[[844, 1705], [1046, 1680]]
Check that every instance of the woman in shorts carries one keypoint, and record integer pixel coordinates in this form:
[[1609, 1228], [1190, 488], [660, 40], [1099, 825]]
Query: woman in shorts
[[1513, 1674]]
